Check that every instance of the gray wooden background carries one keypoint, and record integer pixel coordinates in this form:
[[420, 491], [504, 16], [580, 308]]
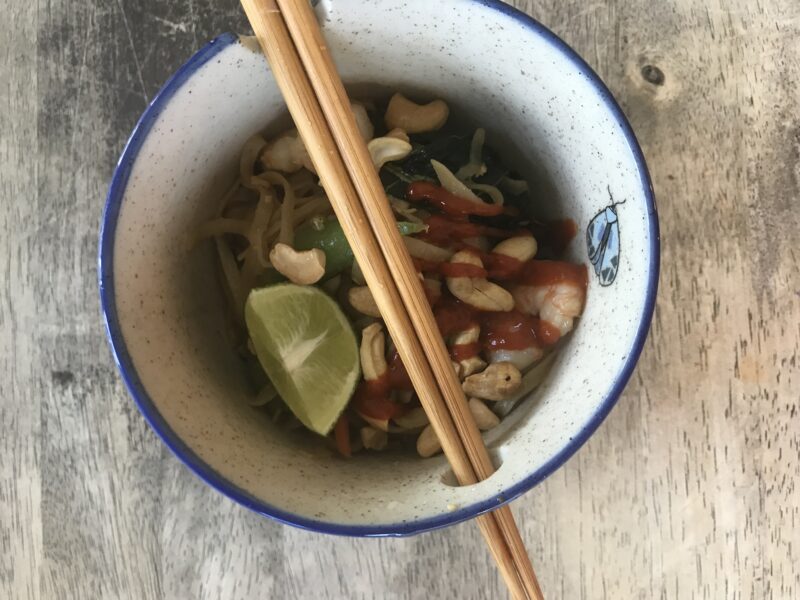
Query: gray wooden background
[[688, 491]]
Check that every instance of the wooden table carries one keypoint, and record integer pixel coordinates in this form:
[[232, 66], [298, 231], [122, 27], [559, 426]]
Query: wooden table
[[690, 488]]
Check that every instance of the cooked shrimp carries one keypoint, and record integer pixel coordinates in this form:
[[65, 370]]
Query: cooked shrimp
[[522, 359], [557, 303]]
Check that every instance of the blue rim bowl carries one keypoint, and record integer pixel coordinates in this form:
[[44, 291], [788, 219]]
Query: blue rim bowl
[[201, 468]]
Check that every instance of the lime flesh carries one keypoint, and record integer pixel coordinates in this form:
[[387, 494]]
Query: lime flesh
[[308, 349]]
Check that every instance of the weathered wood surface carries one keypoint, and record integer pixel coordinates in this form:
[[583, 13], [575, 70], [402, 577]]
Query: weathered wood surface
[[688, 491]]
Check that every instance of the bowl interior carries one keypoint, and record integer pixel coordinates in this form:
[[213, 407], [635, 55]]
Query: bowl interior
[[165, 311]]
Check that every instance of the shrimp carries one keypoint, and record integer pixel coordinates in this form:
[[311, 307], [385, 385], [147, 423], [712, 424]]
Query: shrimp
[[522, 359], [557, 303]]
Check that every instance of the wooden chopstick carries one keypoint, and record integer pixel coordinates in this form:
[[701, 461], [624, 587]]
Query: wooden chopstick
[[300, 99], [310, 44], [311, 123], [314, 129]]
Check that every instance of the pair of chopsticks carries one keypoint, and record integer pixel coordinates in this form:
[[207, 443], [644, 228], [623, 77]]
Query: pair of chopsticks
[[295, 49]]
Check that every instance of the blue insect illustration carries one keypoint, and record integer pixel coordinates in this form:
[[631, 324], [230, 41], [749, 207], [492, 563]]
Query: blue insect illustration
[[602, 243]]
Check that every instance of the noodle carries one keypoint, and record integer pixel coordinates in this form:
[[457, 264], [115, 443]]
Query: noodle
[[250, 152], [232, 278], [228, 195], [317, 206], [475, 166], [403, 208], [221, 226], [452, 184], [251, 269], [490, 190], [266, 206], [261, 220], [514, 186], [304, 184], [286, 227]]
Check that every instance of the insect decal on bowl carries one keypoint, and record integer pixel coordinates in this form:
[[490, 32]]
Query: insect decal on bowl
[[602, 242]]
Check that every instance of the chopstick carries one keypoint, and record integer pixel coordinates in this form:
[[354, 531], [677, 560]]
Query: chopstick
[[307, 37], [321, 111]]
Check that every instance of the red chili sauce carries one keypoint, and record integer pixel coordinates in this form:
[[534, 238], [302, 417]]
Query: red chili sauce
[[372, 397], [499, 330], [448, 203], [550, 272]]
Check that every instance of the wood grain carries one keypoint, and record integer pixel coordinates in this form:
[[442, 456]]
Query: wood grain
[[689, 490]]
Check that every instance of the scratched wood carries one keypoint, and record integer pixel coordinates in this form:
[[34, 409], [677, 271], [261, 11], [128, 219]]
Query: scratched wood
[[688, 491]]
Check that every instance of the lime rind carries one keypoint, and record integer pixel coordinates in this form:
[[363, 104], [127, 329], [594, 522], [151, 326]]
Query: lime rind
[[308, 349]]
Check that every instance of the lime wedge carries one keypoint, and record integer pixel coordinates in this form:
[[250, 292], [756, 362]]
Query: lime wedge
[[308, 349]]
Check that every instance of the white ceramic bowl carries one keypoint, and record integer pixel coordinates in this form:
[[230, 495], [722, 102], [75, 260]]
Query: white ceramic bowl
[[547, 113]]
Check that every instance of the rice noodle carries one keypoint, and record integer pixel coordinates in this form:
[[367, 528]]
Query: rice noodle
[[453, 184], [242, 211], [250, 152], [258, 227], [232, 278], [475, 166], [404, 209], [514, 186], [252, 267], [490, 190], [303, 200], [287, 209], [317, 206], [222, 226], [228, 195], [304, 183]]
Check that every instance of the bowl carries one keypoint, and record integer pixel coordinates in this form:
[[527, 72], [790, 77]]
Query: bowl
[[546, 112]]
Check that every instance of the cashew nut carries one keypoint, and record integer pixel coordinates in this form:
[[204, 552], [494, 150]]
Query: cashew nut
[[413, 117], [373, 361], [473, 364], [362, 300], [387, 149], [470, 335], [497, 382], [523, 247], [302, 268], [478, 291], [456, 368], [374, 439], [399, 134], [287, 153], [382, 424], [485, 419], [365, 127], [356, 274], [427, 443], [413, 419]]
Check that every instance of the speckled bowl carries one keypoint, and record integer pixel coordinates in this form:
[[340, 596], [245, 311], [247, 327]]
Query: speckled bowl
[[544, 109]]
